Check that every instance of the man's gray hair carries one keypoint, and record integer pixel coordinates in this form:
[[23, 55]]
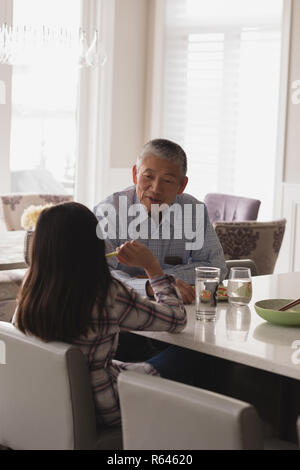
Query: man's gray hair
[[164, 148]]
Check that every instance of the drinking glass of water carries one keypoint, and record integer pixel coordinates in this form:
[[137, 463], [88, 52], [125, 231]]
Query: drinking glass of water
[[206, 285], [239, 288]]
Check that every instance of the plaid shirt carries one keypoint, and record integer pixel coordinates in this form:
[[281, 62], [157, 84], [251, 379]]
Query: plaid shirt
[[126, 310], [210, 254]]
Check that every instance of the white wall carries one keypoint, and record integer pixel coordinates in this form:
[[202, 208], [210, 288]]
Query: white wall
[[129, 81], [289, 257], [128, 91], [292, 148]]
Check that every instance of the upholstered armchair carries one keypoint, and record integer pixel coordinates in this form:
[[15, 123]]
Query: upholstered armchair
[[259, 241], [13, 205], [230, 208], [10, 283]]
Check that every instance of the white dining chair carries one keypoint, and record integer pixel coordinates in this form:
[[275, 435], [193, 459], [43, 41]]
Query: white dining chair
[[45, 396], [163, 414]]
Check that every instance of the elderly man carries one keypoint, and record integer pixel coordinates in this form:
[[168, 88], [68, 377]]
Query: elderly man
[[174, 225]]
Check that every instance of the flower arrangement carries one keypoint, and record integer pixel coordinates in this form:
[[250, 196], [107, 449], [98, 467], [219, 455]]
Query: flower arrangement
[[30, 216]]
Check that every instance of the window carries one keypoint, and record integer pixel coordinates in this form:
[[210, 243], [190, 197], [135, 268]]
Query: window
[[221, 92], [44, 98]]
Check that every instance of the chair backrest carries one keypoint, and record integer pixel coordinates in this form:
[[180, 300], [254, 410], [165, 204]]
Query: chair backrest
[[162, 414], [259, 241], [227, 207], [241, 263], [13, 205], [45, 394]]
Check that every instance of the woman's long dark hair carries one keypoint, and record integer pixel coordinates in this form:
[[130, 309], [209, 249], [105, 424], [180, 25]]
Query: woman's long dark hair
[[67, 276]]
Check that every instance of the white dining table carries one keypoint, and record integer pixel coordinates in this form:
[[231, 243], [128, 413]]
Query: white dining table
[[240, 335], [12, 250]]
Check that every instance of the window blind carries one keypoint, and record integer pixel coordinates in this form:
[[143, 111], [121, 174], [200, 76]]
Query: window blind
[[221, 78]]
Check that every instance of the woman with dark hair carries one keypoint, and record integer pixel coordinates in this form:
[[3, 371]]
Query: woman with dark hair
[[69, 295]]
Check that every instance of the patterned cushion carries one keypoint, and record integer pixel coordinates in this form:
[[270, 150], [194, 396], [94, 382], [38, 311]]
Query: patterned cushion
[[13, 205], [259, 241]]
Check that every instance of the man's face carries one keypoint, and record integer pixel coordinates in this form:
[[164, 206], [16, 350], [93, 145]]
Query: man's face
[[158, 181]]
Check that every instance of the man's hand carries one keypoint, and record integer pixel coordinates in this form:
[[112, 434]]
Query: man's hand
[[187, 292]]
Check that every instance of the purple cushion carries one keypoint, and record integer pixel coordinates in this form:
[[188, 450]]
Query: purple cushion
[[231, 208]]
